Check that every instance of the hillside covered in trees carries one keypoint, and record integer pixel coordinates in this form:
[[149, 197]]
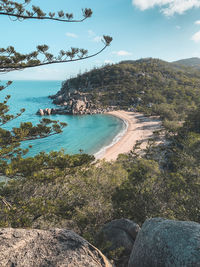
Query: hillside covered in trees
[[193, 62], [149, 85]]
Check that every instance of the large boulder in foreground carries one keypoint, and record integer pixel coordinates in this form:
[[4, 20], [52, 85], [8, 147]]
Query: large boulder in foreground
[[167, 243], [52, 248]]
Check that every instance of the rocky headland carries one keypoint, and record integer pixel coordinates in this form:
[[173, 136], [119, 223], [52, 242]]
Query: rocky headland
[[73, 102], [150, 86]]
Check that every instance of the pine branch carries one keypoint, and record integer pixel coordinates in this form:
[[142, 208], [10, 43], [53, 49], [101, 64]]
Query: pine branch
[[17, 61], [41, 18], [18, 10]]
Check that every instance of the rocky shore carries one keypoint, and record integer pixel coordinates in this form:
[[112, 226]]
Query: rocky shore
[[72, 110], [73, 103]]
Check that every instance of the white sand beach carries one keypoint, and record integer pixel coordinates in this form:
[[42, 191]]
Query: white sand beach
[[140, 128]]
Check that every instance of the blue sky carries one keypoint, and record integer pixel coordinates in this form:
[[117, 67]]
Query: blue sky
[[166, 29]]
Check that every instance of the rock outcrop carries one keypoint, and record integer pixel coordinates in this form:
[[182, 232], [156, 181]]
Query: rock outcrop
[[76, 103], [167, 243], [120, 233], [78, 109], [73, 101], [52, 248], [118, 236]]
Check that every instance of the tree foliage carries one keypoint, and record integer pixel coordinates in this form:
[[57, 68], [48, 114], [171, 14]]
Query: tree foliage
[[11, 60], [22, 11]]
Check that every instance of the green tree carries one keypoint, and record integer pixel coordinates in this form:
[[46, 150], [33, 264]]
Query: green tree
[[11, 60], [138, 197]]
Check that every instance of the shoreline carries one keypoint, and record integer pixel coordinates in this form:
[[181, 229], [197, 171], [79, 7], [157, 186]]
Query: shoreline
[[139, 128], [99, 154]]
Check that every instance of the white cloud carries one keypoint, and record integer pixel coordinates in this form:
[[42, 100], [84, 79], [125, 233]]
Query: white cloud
[[196, 37], [122, 53], [178, 27], [107, 61], [197, 22], [91, 33], [97, 39], [168, 7], [73, 35]]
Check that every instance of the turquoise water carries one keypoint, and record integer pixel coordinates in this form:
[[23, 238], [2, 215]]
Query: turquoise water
[[89, 132]]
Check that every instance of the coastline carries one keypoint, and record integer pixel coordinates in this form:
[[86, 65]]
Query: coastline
[[99, 154], [139, 128]]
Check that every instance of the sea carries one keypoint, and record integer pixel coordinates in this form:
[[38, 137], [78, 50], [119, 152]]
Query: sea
[[91, 134]]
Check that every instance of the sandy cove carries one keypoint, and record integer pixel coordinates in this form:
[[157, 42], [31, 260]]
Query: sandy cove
[[140, 128]]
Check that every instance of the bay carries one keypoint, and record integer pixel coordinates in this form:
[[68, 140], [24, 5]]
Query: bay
[[89, 133]]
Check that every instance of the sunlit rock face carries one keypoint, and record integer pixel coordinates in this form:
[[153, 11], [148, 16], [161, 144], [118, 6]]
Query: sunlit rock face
[[52, 248]]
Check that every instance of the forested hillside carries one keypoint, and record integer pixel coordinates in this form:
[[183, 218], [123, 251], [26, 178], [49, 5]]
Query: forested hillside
[[149, 85], [193, 62]]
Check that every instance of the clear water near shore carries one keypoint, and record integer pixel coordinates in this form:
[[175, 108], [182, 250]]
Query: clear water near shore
[[91, 133]]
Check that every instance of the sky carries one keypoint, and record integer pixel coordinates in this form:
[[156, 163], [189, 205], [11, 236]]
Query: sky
[[165, 29]]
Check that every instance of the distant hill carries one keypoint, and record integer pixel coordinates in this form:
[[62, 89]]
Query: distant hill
[[189, 62], [149, 85]]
